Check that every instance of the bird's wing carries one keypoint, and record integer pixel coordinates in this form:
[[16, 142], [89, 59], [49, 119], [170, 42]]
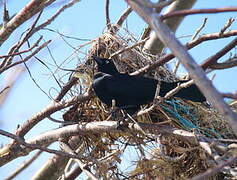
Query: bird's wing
[[130, 89]]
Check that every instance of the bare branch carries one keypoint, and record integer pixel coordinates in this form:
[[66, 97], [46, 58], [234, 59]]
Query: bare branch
[[213, 59], [199, 29], [227, 25], [25, 51], [230, 63], [197, 11], [83, 166], [29, 146], [50, 109], [83, 129], [154, 45], [66, 88], [230, 95], [108, 23], [123, 17]]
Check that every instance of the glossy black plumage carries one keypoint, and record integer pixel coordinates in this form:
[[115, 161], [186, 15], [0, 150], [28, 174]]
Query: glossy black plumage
[[129, 92]]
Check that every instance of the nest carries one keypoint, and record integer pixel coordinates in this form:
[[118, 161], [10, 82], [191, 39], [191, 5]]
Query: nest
[[169, 157]]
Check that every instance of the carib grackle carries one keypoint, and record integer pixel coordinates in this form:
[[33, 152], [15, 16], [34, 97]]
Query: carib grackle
[[130, 92]]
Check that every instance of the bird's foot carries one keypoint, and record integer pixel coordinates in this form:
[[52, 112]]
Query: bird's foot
[[158, 100], [122, 124]]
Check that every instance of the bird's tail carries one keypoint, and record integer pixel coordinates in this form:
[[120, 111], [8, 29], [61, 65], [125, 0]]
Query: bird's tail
[[190, 93]]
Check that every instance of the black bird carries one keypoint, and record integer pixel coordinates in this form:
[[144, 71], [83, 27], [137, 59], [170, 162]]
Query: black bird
[[129, 92]]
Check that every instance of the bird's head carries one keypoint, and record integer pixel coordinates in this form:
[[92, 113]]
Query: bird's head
[[105, 65]]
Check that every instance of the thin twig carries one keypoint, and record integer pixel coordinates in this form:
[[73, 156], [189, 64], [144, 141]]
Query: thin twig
[[48, 110], [178, 88], [16, 47], [128, 48], [51, 19], [25, 51], [26, 58], [227, 25], [199, 29]]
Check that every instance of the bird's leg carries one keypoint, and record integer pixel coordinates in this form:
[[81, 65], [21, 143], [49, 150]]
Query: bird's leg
[[123, 122], [134, 121], [158, 99], [113, 111]]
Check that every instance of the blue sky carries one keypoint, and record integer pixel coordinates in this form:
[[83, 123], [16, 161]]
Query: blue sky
[[86, 20]]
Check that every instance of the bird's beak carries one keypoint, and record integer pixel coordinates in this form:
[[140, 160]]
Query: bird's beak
[[97, 60]]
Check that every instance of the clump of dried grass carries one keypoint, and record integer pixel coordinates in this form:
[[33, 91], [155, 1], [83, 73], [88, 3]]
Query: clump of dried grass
[[165, 161]]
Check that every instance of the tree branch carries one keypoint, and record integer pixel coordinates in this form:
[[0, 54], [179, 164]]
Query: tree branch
[[10, 152], [50, 109], [213, 59], [197, 11]]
